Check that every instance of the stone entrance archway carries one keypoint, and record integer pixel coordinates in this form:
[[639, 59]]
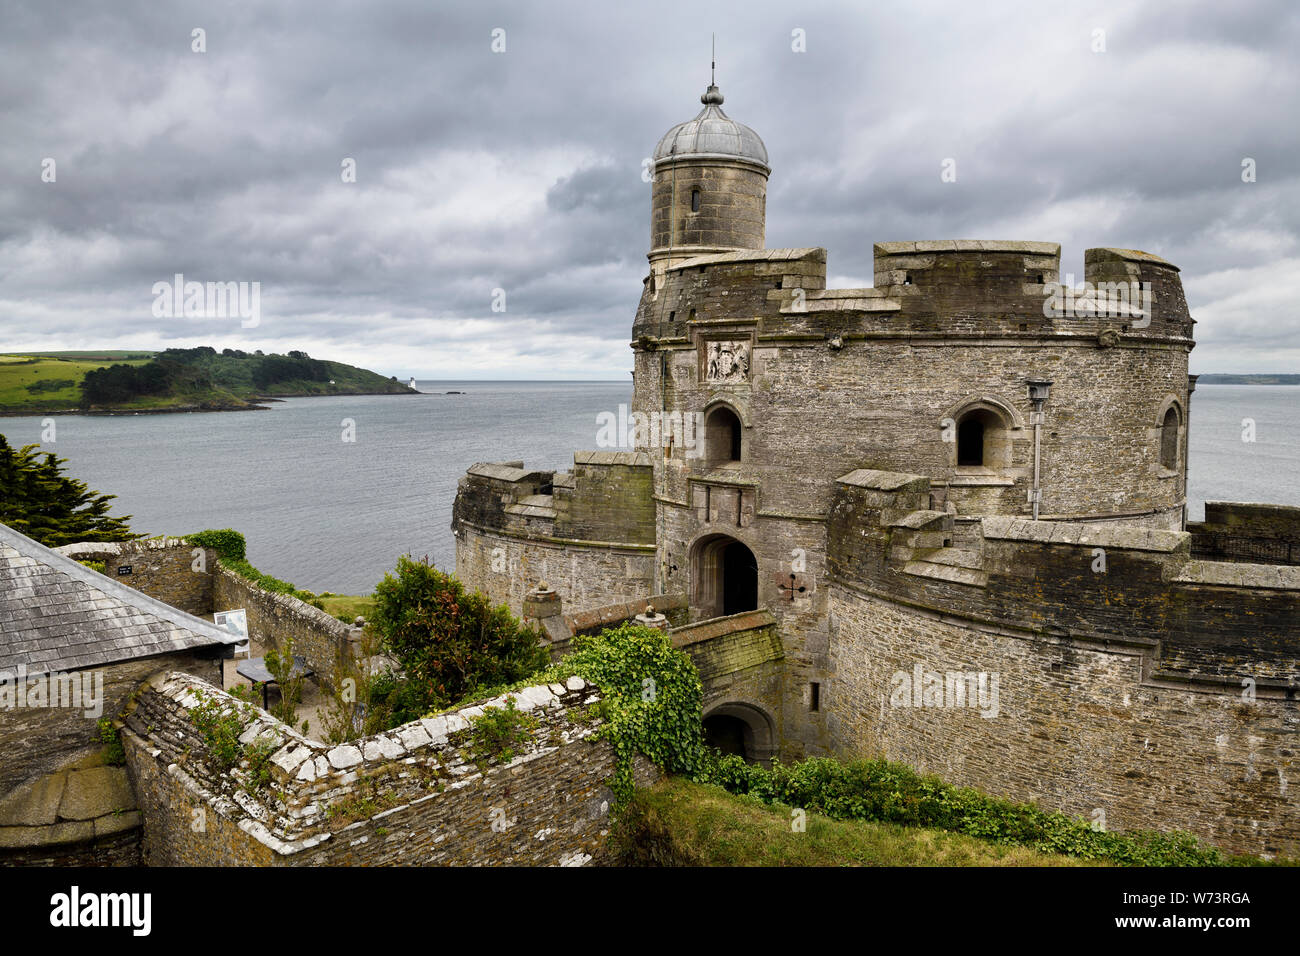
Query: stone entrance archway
[[741, 729], [724, 577]]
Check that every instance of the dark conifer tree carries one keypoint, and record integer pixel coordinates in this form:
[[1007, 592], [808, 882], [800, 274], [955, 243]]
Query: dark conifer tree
[[40, 501]]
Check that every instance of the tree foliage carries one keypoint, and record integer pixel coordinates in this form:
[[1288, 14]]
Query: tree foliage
[[449, 641], [40, 501]]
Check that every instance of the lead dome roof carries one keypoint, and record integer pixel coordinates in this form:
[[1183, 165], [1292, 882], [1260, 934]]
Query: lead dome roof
[[712, 134]]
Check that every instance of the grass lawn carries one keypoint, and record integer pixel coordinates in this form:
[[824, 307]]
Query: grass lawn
[[680, 823], [56, 380], [348, 606]]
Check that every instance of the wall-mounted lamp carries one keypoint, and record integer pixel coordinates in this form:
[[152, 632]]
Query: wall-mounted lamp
[[1038, 390]]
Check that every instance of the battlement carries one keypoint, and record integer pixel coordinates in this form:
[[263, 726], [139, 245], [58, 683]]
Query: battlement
[[1200, 621], [957, 288]]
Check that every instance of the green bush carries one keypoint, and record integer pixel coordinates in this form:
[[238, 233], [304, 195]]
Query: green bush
[[227, 542], [231, 549], [499, 730], [881, 791], [450, 642], [652, 699]]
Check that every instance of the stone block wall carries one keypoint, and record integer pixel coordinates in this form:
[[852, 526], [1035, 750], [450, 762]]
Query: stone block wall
[[845, 379], [38, 741], [164, 568], [416, 795], [1132, 680], [609, 496], [1078, 727], [588, 534], [732, 208], [1252, 533], [274, 619]]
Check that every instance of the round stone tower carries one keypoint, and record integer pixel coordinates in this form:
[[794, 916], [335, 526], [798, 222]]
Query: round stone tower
[[710, 188]]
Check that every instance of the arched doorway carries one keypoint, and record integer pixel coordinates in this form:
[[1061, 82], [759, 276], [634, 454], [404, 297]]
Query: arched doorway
[[725, 578], [741, 729]]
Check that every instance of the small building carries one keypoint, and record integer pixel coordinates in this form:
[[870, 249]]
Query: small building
[[74, 645]]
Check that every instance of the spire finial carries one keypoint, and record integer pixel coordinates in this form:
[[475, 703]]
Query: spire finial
[[713, 96]]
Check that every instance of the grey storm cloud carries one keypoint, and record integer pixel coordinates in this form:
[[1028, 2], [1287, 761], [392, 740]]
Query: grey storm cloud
[[521, 170]]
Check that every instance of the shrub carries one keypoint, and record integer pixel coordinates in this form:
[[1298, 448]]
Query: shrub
[[652, 699], [881, 791], [227, 542], [231, 549], [499, 730], [450, 642]]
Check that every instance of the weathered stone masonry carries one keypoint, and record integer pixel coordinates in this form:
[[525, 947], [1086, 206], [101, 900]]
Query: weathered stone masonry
[[1120, 691], [429, 803], [871, 465]]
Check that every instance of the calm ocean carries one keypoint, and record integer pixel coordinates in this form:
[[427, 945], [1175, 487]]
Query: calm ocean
[[331, 515]]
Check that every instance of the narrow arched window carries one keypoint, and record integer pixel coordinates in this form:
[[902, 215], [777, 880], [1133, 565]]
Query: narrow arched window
[[722, 436], [695, 200], [982, 441], [970, 441], [1169, 441]]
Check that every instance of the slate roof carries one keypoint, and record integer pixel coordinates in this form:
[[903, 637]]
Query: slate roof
[[58, 615]]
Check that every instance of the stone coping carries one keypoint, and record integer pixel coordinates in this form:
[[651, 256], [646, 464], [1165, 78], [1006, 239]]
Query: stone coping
[[309, 775], [1103, 253], [635, 458], [1229, 574], [96, 550], [967, 245], [489, 469], [623, 611], [1127, 537], [884, 480], [752, 255], [1250, 505], [719, 626]]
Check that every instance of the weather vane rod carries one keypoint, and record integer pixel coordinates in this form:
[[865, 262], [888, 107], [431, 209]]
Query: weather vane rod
[[713, 67]]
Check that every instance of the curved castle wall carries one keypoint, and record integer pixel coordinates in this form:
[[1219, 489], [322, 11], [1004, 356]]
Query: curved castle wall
[[1121, 679], [588, 534]]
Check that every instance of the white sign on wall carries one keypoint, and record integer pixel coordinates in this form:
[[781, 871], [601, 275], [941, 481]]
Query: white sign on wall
[[236, 622]]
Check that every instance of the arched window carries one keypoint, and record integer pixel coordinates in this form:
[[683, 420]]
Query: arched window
[[695, 200], [722, 436], [970, 441], [981, 440], [1169, 440]]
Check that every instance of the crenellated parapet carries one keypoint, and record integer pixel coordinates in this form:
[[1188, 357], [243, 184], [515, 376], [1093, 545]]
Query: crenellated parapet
[[1203, 621], [588, 533], [961, 288]]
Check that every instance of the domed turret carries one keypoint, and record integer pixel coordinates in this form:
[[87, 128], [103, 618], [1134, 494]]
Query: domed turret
[[711, 134], [710, 187]]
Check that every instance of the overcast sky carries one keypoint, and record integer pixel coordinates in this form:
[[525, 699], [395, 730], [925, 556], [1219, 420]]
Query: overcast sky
[[521, 170]]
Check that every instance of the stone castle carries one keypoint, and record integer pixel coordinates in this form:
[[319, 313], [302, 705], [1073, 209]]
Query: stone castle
[[941, 519]]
